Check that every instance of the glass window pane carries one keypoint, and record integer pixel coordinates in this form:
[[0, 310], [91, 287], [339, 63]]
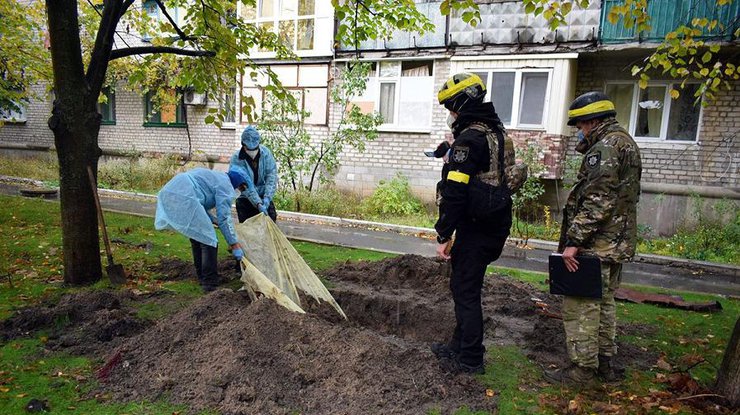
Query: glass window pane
[[621, 95], [13, 112], [306, 7], [248, 12], [305, 34], [288, 7], [484, 77], [267, 8], [387, 101], [534, 88], [230, 105], [108, 109], [417, 68], [502, 94], [390, 69], [287, 33], [683, 119], [415, 101], [251, 104], [650, 111], [268, 27]]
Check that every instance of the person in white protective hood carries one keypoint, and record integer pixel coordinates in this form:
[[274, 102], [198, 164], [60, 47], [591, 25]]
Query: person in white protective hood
[[184, 205]]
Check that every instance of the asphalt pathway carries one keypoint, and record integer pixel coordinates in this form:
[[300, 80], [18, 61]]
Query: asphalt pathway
[[648, 270]]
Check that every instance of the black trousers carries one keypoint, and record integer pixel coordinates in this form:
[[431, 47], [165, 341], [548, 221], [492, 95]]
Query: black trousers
[[475, 247], [205, 258], [245, 210]]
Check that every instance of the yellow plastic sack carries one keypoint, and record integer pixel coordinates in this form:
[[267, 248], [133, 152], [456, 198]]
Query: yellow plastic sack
[[274, 257], [255, 281]]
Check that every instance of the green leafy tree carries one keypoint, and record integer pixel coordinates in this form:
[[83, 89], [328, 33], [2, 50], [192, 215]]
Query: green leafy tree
[[305, 161], [530, 192], [682, 54]]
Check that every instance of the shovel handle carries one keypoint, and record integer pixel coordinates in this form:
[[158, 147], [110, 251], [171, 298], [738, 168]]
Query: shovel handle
[[94, 187]]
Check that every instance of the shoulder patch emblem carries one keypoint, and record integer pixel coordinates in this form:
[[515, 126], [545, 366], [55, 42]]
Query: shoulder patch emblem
[[593, 160], [460, 154]]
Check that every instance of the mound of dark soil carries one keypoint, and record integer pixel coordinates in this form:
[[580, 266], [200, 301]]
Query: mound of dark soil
[[409, 296], [88, 322], [406, 271], [241, 358], [223, 352]]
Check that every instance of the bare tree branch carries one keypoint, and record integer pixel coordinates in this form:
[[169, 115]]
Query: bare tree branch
[[142, 50], [179, 31], [112, 12]]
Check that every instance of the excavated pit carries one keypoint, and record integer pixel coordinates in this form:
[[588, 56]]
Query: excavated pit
[[224, 353]]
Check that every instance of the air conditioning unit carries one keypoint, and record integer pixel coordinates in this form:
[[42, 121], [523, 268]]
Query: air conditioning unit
[[193, 98]]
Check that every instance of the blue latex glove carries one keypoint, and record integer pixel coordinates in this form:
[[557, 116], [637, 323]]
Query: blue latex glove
[[238, 254], [266, 202], [263, 209]]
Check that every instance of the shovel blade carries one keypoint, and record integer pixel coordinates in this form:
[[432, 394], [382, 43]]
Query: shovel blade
[[116, 274]]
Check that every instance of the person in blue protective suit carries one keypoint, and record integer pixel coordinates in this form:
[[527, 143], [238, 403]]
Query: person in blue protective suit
[[184, 205], [261, 169]]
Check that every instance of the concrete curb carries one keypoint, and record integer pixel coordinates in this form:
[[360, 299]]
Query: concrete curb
[[428, 233]]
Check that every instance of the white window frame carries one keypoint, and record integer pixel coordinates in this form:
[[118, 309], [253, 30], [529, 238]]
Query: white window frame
[[159, 18], [395, 126], [276, 18], [516, 99], [299, 90], [667, 103], [14, 117]]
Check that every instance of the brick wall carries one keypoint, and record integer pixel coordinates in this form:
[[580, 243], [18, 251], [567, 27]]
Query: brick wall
[[397, 152], [34, 131], [129, 133], [714, 160]]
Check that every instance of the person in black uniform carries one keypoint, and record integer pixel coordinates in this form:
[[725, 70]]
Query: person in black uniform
[[476, 129]]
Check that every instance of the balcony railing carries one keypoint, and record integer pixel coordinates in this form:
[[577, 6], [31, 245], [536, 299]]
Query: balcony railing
[[667, 15]]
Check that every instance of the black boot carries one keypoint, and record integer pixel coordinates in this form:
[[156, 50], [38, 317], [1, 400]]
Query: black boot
[[443, 351], [607, 372]]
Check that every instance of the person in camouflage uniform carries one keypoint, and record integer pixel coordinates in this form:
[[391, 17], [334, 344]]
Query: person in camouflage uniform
[[600, 219], [474, 155]]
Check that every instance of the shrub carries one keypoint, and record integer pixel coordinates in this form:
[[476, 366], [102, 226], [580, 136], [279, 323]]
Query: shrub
[[40, 167], [326, 201], [393, 197], [137, 174]]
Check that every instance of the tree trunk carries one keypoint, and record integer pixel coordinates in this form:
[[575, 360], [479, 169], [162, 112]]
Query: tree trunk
[[75, 123], [728, 377]]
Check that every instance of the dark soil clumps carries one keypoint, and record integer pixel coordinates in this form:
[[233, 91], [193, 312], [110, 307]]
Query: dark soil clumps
[[88, 322], [225, 353], [241, 358]]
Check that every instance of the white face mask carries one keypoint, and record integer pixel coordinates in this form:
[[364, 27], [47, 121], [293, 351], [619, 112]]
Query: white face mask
[[451, 120], [252, 153], [237, 193]]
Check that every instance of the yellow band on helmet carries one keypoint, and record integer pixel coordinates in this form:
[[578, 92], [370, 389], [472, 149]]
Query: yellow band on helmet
[[456, 176], [592, 108], [455, 88]]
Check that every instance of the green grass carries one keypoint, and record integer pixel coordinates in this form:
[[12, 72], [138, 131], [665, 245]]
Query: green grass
[[27, 372], [30, 253]]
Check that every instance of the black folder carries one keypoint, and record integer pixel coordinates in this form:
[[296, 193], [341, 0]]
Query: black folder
[[584, 282]]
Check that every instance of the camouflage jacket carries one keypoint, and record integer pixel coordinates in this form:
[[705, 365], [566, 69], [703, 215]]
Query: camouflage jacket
[[600, 216], [475, 154]]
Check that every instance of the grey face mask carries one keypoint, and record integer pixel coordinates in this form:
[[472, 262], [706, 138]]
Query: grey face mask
[[252, 153], [450, 120]]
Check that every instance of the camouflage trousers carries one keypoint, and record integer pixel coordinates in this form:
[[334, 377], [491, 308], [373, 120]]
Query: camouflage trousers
[[591, 324]]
